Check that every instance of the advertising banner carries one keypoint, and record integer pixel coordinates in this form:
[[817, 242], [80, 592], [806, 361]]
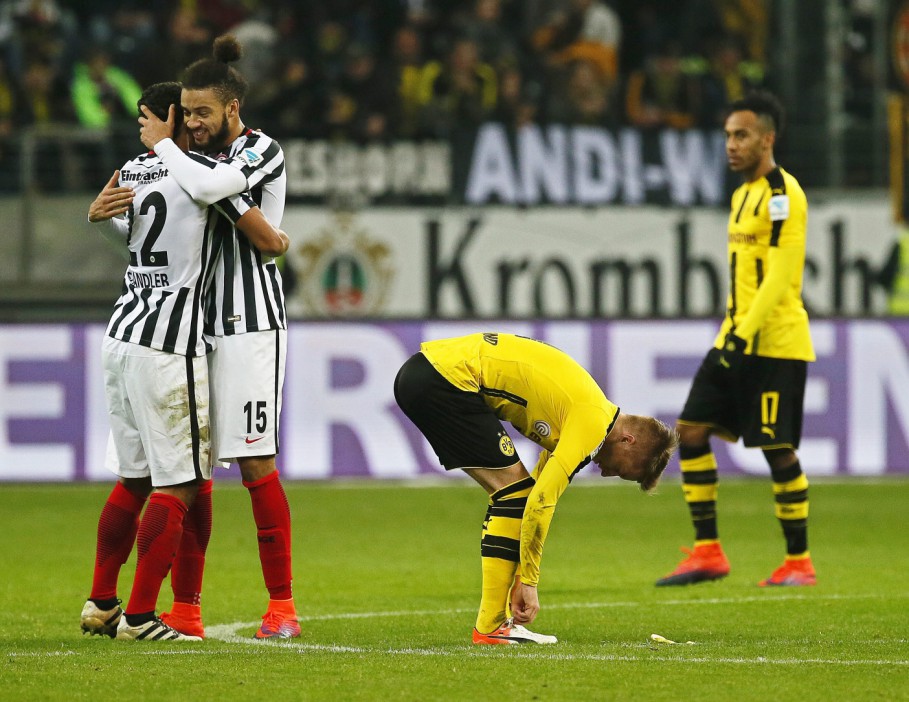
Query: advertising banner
[[340, 418], [534, 165], [505, 262]]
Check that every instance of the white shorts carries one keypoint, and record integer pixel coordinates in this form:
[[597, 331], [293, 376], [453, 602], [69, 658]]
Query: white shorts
[[158, 407], [247, 380]]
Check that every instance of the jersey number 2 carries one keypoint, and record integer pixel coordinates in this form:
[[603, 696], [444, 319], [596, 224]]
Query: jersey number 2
[[147, 255]]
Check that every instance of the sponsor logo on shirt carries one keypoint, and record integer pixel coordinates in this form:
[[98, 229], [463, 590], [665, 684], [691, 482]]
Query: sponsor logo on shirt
[[542, 428], [144, 177]]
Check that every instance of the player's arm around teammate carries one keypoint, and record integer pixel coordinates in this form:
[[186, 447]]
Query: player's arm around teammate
[[205, 183]]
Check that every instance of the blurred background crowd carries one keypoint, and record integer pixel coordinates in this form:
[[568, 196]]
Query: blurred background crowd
[[365, 70]]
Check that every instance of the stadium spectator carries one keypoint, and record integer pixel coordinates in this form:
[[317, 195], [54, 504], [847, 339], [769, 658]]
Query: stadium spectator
[[652, 23], [586, 97], [430, 18], [725, 76], [360, 100], [101, 92], [223, 15], [259, 35], [461, 90], [458, 391], [292, 101], [406, 69], [8, 100], [518, 99], [185, 36], [587, 30], [752, 383], [485, 26], [661, 94], [33, 28], [42, 99], [8, 121], [39, 98], [129, 30], [331, 42], [747, 21]]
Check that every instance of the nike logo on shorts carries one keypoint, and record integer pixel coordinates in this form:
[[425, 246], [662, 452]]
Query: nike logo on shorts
[[252, 441]]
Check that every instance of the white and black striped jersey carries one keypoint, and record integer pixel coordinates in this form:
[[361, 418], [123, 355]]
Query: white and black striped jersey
[[171, 259], [247, 292]]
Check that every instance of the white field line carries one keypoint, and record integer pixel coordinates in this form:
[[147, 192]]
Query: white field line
[[599, 605], [228, 633], [224, 632]]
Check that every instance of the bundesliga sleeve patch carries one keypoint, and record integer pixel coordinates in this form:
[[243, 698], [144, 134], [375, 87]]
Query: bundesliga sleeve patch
[[779, 208], [249, 157]]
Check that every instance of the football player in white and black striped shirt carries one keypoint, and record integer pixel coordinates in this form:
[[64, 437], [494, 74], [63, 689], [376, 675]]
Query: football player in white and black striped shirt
[[156, 374], [245, 313]]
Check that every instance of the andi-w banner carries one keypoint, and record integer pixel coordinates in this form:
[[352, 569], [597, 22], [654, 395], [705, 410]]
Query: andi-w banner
[[340, 419]]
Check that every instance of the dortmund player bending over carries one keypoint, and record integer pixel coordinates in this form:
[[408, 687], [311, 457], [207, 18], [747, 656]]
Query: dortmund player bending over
[[752, 383], [456, 390]]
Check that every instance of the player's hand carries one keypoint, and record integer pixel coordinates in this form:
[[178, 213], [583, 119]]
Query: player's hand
[[285, 241], [153, 129], [525, 605], [732, 355], [112, 201]]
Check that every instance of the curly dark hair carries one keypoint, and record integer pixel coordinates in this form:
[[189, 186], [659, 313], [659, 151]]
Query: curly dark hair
[[216, 73], [158, 98]]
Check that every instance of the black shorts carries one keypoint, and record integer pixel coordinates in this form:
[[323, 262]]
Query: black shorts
[[461, 428], [762, 403]]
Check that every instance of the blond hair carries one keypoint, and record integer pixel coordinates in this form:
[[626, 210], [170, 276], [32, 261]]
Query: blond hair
[[657, 441]]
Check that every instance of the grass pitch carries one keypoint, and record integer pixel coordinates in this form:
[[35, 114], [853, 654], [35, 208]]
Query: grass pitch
[[387, 582]]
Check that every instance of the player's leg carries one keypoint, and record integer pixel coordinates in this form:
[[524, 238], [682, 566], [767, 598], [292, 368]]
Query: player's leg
[[189, 566], [790, 492], [465, 434], [119, 519], [117, 527], [169, 397], [776, 428], [271, 513], [500, 539], [707, 411], [159, 534], [247, 385]]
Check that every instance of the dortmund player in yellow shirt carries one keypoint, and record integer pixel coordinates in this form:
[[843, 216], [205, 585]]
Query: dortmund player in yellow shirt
[[752, 384], [456, 391]]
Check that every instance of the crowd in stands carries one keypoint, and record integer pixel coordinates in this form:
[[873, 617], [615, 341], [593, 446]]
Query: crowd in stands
[[390, 69]]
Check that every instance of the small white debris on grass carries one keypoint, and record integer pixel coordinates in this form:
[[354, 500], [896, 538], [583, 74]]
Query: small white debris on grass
[[656, 638]]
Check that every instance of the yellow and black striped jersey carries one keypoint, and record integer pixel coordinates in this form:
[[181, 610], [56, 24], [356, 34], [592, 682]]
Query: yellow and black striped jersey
[[548, 397], [767, 238]]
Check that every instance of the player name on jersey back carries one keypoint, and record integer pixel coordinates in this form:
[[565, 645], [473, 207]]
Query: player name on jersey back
[[171, 257]]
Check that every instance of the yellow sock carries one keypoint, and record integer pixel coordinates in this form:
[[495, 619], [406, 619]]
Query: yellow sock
[[500, 549]]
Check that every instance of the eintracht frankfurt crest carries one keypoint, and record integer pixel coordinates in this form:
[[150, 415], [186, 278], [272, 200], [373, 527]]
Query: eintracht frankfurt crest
[[343, 271]]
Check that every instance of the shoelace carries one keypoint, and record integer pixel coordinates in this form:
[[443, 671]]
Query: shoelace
[[272, 621]]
